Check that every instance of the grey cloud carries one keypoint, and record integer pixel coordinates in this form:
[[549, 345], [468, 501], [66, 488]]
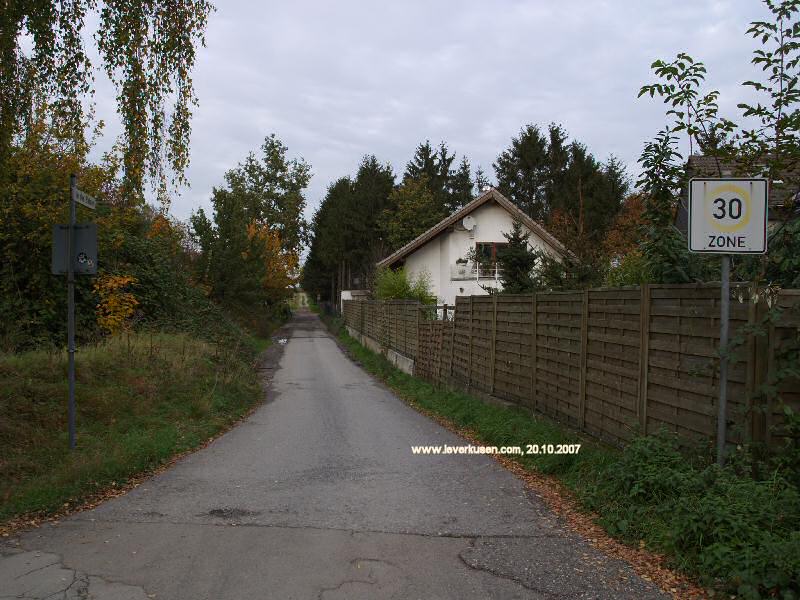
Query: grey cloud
[[336, 80]]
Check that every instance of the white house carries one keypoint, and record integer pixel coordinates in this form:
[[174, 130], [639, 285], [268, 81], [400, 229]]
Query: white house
[[459, 253]]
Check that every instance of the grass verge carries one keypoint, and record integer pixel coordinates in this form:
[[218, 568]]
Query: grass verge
[[140, 400], [736, 532]]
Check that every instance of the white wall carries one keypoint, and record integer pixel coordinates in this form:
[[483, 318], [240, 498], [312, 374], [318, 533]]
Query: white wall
[[429, 258], [438, 255]]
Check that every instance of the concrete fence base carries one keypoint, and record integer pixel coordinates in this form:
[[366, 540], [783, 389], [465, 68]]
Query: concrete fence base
[[402, 362]]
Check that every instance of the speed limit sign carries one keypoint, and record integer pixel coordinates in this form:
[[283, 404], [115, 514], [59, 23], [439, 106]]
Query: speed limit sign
[[728, 216]]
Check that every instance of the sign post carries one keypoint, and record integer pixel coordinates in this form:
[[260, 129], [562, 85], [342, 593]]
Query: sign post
[[727, 216], [74, 253], [724, 318], [73, 188]]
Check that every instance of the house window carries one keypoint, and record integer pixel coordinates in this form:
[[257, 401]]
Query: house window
[[486, 252]]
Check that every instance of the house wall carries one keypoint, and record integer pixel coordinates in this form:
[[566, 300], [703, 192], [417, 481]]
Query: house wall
[[431, 258], [441, 253]]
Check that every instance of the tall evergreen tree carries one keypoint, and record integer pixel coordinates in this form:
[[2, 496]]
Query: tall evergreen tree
[[415, 209], [563, 185], [451, 188], [517, 262], [523, 172], [481, 181], [460, 186], [346, 240], [372, 187]]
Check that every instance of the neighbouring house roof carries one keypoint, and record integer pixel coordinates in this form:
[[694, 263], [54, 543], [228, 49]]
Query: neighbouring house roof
[[710, 166], [491, 195]]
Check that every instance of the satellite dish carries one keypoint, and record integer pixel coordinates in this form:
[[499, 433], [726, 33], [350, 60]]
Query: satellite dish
[[468, 222]]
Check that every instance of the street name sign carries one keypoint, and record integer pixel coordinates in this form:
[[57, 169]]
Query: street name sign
[[85, 199], [728, 216]]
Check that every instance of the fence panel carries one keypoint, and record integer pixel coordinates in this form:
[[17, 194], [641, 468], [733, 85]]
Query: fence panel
[[459, 371], [558, 353], [610, 362], [613, 350], [481, 337], [513, 348], [682, 380], [431, 345], [781, 352]]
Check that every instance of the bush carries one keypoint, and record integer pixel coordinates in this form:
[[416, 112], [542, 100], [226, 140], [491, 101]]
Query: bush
[[729, 529], [631, 270], [396, 285]]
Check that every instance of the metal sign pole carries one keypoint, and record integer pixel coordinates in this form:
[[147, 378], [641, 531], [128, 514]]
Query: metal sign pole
[[724, 314], [71, 309], [727, 216]]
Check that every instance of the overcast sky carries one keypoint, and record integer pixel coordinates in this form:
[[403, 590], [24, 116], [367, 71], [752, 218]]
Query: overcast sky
[[337, 80]]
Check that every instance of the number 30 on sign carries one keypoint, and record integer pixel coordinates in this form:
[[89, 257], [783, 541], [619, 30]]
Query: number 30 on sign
[[728, 216]]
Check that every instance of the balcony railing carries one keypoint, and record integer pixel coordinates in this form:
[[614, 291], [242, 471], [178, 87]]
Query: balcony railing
[[476, 271]]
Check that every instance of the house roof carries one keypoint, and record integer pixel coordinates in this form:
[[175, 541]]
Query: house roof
[[488, 196], [710, 166]]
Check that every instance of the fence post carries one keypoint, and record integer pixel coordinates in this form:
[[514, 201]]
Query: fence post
[[760, 371], [750, 374], [584, 347], [416, 345], [387, 315], [361, 320], [371, 317], [409, 321], [441, 345], [469, 362], [770, 380], [644, 354], [534, 354], [399, 327], [452, 344], [493, 347]]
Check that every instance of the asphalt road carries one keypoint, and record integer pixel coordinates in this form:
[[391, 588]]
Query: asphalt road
[[318, 496]]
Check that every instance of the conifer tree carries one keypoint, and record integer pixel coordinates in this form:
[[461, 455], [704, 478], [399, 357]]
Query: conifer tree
[[460, 186], [517, 262], [415, 210]]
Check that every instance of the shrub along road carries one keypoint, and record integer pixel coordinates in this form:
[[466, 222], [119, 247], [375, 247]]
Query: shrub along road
[[318, 495]]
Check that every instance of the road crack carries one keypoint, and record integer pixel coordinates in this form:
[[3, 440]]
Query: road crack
[[336, 588], [442, 535]]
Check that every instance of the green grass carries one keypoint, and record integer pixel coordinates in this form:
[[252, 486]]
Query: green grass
[[258, 344], [140, 400], [734, 530]]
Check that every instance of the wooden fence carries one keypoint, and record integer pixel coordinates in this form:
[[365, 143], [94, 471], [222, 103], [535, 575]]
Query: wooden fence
[[610, 362], [394, 324]]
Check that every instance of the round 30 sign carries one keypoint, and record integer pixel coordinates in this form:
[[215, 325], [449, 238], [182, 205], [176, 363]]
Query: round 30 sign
[[728, 216]]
